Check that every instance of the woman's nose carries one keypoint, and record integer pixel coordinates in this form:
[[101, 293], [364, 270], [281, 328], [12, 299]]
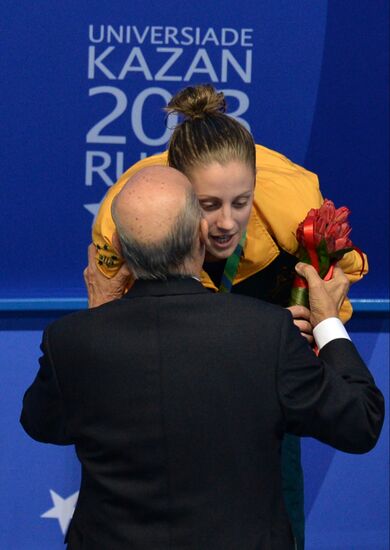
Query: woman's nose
[[225, 219]]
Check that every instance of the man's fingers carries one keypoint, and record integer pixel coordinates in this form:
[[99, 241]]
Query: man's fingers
[[308, 272], [300, 312], [339, 281], [304, 326], [338, 287], [337, 272], [124, 272], [91, 253], [340, 276], [86, 275], [309, 338]]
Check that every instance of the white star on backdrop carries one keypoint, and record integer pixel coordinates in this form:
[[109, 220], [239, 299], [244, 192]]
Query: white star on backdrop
[[62, 510], [92, 208]]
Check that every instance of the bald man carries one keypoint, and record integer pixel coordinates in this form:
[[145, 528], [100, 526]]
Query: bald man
[[144, 212], [177, 399]]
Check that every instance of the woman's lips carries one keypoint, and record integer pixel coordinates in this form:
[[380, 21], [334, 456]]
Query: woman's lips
[[222, 241]]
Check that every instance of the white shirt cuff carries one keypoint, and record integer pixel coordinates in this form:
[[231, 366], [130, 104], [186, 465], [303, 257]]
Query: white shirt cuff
[[329, 329]]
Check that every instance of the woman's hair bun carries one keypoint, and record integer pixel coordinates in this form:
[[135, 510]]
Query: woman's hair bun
[[197, 102]]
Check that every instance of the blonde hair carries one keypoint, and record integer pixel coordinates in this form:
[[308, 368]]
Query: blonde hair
[[207, 134]]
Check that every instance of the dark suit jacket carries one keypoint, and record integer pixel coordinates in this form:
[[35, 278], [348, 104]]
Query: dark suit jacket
[[176, 400]]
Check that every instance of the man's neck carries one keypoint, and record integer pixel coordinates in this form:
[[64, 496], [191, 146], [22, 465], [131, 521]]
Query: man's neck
[[187, 273], [191, 268]]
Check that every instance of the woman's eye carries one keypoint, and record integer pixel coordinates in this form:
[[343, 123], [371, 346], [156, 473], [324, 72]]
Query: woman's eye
[[240, 204], [209, 206]]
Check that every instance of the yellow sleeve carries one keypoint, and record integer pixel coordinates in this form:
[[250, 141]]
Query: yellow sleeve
[[355, 267], [108, 259], [284, 194]]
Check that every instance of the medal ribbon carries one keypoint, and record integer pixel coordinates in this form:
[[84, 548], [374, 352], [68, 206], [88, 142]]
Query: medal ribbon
[[231, 267]]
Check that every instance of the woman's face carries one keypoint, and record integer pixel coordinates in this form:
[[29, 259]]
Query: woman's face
[[225, 195]]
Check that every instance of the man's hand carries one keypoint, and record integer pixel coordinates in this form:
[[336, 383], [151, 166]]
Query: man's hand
[[325, 297], [301, 316], [100, 288]]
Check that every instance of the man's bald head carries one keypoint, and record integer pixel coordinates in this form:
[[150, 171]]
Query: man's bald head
[[150, 202], [157, 216]]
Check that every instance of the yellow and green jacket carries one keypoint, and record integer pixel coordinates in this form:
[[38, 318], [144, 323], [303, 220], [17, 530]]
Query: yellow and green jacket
[[284, 194]]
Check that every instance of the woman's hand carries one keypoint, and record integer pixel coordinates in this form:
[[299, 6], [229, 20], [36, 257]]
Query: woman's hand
[[100, 288]]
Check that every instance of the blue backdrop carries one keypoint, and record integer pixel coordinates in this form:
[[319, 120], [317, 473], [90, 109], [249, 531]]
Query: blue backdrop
[[84, 87], [84, 83]]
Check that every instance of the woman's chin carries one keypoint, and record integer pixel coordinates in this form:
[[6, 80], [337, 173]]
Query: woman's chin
[[213, 255]]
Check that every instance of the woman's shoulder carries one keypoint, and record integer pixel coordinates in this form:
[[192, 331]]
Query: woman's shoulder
[[284, 194], [279, 179], [270, 163]]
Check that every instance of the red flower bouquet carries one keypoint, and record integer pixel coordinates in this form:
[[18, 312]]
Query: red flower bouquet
[[323, 239]]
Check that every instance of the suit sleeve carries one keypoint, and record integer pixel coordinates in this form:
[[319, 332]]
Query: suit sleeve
[[333, 397], [43, 415]]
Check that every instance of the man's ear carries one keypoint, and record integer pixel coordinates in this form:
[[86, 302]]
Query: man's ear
[[204, 232], [116, 243]]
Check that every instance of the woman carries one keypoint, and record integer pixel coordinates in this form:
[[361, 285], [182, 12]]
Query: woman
[[253, 199]]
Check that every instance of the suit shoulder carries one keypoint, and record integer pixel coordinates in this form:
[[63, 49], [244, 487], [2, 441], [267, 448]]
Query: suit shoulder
[[253, 305], [72, 321]]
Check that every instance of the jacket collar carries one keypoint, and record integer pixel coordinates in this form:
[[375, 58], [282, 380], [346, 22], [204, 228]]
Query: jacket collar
[[168, 287], [259, 251]]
